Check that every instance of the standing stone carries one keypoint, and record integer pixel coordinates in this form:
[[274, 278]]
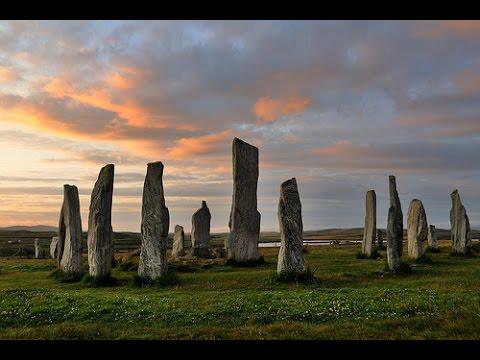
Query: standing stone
[[100, 233], [53, 247], [69, 247], [432, 238], [290, 256], [379, 241], [242, 242], [155, 224], [417, 229], [178, 242], [460, 225], [200, 234], [394, 227], [370, 229], [39, 253]]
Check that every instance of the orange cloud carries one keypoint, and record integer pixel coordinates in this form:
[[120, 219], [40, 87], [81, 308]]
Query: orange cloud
[[123, 79], [200, 145], [268, 109], [447, 27], [7, 75], [343, 147]]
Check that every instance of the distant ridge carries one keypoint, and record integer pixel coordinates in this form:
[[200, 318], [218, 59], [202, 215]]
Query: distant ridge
[[37, 228]]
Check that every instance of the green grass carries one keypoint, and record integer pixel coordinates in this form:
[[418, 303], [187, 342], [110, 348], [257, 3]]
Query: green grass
[[350, 299]]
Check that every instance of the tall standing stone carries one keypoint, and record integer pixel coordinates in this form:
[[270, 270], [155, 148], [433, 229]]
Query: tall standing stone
[[200, 233], [69, 248], [242, 242], [432, 238], [290, 256], [100, 233], [417, 229], [394, 227], [155, 224], [370, 228], [39, 253], [460, 225], [53, 247], [178, 242]]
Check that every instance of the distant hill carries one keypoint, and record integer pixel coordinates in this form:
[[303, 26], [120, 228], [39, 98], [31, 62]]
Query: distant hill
[[36, 228]]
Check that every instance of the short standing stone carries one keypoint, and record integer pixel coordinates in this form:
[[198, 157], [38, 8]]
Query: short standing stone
[[417, 229], [100, 233], [460, 225], [69, 247], [370, 229], [393, 257], [398, 220], [39, 253], [53, 247], [155, 224], [379, 241], [242, 242], [200, 234], [290, 256], [178, 242], [432, 238]]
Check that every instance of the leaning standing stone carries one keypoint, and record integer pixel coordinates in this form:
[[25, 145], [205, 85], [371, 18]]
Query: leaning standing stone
[[244, 223], [53, 247], [100, 233], [370, 229], [432, 238], [460, 225], [155, 224], [417, 229], [69, 248], [398, 220], [178, 242], [290, 256], [200, 233]]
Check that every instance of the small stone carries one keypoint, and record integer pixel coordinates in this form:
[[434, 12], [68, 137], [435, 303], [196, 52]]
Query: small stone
[[200, 233], [39, 253], [53, 247], [178, 242], [379, 241], [155, 223], [100, 233], [417, 229], [290, 256], [432, 238], [370, 228]]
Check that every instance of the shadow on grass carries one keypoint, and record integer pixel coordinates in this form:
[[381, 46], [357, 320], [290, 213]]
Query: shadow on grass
[[100, 281], [374, 256], [307, 277], [65, 277], [170, 279], [403, 269], [250, 263]]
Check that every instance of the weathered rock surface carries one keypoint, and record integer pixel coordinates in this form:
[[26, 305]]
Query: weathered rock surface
[[200, 234], [290, 256], [370, 228], [393, 254], [155, 225], [178, 242], [39, 253], [417, 229], [69, 247], [100, 233], [460, 225], [398, 220], [53, 247], [244, 223], [432, 237], [379, 240]]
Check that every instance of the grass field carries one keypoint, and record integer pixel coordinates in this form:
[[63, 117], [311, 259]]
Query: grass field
[[353, 299]]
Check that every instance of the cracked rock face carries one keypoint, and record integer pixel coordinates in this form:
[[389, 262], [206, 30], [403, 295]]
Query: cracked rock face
[[242, 242], [155, 225], [394, 227], [100, 233], [370, 228], [178, 242], [290, 256], [69, 246], [460, 225], [53, 247], [417, 229], [200, 234]]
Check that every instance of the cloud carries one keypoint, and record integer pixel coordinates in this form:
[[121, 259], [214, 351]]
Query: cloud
[[267, 109], [206, 144]]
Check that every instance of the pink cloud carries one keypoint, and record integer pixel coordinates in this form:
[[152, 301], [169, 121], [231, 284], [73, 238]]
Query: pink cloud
[[268, 109]]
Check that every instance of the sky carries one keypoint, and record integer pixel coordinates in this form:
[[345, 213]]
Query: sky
[[339, 105]]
